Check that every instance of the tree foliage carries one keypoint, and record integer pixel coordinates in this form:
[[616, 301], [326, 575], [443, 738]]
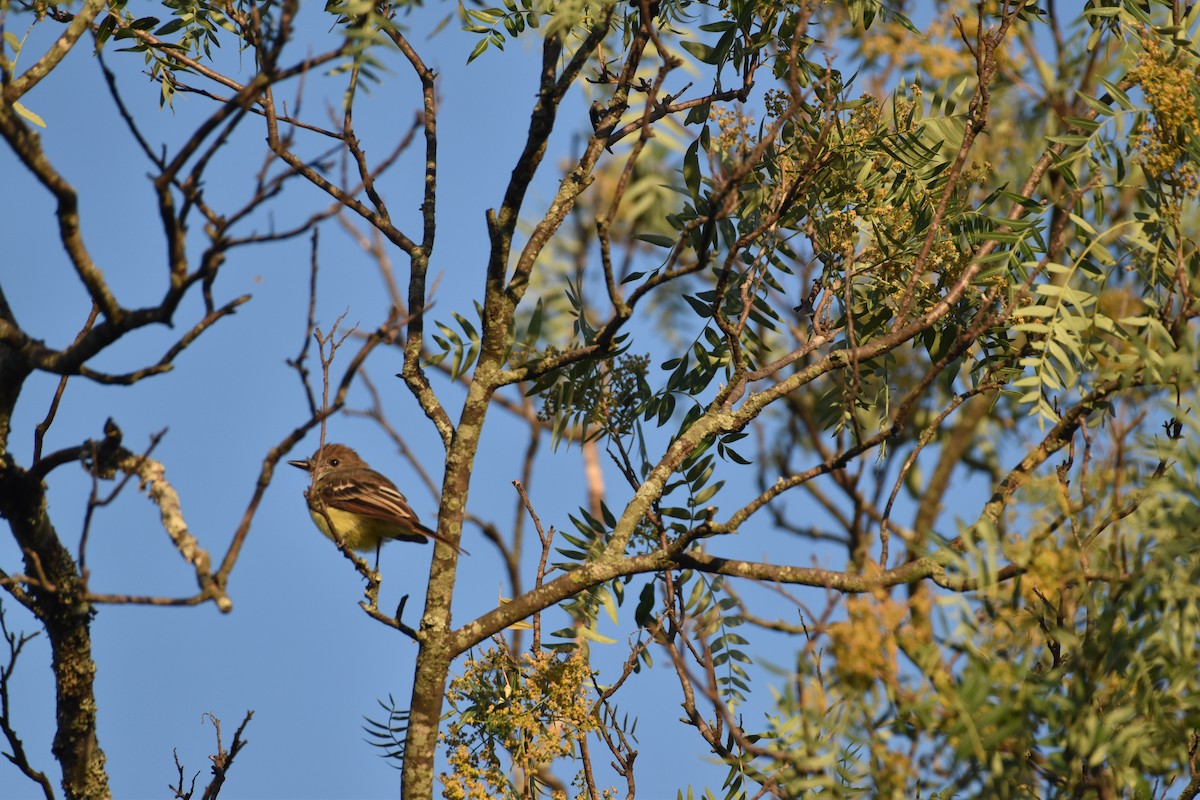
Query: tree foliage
[[910, 289]]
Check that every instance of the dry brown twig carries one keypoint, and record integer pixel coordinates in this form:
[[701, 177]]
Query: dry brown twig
[[18, 757], [222, 761]]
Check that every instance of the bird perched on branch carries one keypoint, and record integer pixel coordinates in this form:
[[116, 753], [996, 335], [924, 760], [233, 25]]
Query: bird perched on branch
[[365, 508]]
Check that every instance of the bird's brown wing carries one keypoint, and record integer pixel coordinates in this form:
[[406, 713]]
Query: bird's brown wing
[[385, 503]]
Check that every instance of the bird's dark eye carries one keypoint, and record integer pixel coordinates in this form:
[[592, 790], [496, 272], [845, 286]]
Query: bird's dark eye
[[333, 462]]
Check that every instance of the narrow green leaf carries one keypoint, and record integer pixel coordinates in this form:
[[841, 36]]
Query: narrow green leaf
[[170, 27], [701, 51], [691, 170], [643, 613], [27, 114], [654, 239], [706, 494], [478, 50], [535, 324], [701, 308], [733, 456], [593, 636]]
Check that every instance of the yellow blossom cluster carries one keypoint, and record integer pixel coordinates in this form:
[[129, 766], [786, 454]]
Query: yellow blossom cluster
[[533, 709], [939, 51], [1167, 81], [734, 141], [864, 646]]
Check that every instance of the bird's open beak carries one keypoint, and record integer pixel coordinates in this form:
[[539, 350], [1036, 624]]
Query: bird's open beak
[[305, 465]]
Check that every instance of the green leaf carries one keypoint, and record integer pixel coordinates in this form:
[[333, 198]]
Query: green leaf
[[691, 170], [701, 51], [701, 308], [593, 636], [643, 613], [699, 470], [610, 520], [704, 495], [29, 115], [698, 114], [608, 603], [535, 323], [170, 27], [467, 327], [733, 456], [1118, 95], [655, 239], [478, 50]]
